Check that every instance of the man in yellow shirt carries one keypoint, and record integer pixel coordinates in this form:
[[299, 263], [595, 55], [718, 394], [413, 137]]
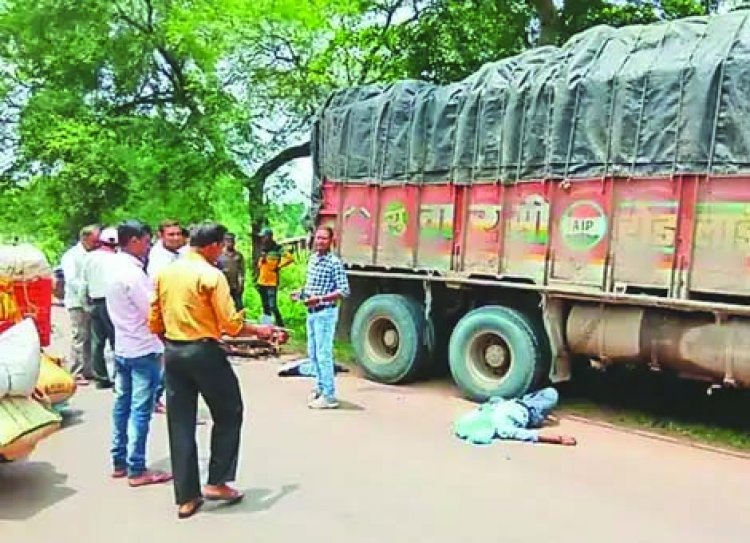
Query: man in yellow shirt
[[191, 310], [272, 259]]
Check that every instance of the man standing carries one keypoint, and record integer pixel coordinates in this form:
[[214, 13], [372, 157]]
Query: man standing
[[191, 309], [167, 249], [326, 284], [98, 268], [232, 264], [138, 355], [270, 262], [74, 299]]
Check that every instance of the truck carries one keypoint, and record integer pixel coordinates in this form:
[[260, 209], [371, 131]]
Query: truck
[[585, 201]]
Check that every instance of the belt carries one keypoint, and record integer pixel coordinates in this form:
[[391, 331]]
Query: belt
[[190, 341], [319, 308]]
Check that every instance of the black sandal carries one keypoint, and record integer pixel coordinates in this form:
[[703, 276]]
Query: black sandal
[[197, 503]]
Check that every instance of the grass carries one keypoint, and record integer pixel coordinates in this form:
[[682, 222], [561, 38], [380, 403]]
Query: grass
[[663, 405]]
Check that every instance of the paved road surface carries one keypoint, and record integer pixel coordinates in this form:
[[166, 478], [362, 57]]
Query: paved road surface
[[384, 469]]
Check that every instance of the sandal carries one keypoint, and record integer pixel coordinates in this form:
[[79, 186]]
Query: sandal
[[149, 478], [119, 473], [193, 508], [229, 495]]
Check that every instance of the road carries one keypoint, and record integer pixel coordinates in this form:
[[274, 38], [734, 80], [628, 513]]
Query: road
[[384, 468]]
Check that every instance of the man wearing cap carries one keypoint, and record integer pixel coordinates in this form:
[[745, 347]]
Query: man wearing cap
[[232, 263], [98, 268], [272, 259], [75, 302]]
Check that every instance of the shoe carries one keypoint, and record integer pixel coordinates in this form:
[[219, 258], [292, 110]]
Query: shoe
[[187, 510], [119, 473], [224, 493], [314, 395], [321, 402], [149, 478], [103, 385]]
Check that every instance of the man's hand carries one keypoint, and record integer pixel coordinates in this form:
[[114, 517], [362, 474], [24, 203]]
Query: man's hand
[[570, 441], [296, 296], [312, 301]]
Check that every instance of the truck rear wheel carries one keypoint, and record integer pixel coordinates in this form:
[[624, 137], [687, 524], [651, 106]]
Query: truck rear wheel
[[388, 337], [494, 351]]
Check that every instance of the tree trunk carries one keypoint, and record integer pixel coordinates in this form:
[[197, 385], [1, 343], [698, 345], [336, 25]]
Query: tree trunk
[[549, 20], [256, 185]]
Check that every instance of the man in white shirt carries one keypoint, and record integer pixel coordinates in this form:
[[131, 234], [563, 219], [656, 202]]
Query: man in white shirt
[[75, 302], [166, 250], [138, 355], [99, 266]]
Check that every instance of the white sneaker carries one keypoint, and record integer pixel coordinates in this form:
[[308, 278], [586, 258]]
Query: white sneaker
[[321, 402], [314, 395]]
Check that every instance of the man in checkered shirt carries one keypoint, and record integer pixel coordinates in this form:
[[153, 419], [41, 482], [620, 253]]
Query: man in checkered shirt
[[326, 284]]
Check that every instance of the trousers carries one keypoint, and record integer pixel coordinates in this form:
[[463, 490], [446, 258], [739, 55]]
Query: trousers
[[193, 368], [102, 331]]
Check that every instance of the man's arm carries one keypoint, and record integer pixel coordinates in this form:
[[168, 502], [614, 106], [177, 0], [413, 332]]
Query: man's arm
[[230, 320], [533, 436], [286, 260], [241, 272], [155, 315], [140, 295]]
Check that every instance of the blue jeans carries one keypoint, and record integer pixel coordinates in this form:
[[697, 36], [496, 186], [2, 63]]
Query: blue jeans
[[136, 381], [321, 327]]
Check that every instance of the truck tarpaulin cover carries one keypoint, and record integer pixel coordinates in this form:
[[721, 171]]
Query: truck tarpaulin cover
[[656, 99]]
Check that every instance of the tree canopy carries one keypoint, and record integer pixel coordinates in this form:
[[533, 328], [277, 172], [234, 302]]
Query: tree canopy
[[186, 108]]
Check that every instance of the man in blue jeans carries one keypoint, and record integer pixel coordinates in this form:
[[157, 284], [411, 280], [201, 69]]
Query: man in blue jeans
[[326, 284], [138, 357]]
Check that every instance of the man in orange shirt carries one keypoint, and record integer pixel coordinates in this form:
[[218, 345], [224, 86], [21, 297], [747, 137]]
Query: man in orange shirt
[[272, 259], [191, 310]]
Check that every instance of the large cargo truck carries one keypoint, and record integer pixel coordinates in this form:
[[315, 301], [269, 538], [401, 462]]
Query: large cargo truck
[[591, 200]]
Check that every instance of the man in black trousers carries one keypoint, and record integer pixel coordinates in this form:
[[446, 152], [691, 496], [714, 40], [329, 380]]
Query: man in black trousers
[[191, 310]]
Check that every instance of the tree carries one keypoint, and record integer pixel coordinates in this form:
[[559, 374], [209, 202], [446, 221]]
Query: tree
[[122, 106], [188, 107]]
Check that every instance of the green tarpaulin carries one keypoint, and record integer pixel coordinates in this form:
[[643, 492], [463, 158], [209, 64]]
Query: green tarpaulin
[[656, 99]]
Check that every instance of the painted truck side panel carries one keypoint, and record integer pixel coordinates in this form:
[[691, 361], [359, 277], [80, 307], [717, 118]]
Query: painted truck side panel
[[674, 235]]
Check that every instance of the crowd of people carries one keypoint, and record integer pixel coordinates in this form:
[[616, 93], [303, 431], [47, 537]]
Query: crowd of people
[[164, 309]]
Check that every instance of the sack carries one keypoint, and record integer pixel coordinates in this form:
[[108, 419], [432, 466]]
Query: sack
[[23, 423], [55, 384], [20, 357], [23, 263]]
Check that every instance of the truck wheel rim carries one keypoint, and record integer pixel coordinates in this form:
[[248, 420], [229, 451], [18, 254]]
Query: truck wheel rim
[[383, 340], [488, 357]]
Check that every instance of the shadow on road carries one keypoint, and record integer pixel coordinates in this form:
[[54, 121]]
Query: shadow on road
[[256, 500], [27, 488], [72, 417]]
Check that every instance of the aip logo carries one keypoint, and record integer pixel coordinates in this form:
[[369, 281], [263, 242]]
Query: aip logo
[[583, 225]]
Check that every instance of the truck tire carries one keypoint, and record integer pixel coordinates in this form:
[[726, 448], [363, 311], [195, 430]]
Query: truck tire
[[494, 351], [388, 337]]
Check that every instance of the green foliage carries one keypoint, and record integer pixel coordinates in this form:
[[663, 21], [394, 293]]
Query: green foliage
[[184, 108]]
